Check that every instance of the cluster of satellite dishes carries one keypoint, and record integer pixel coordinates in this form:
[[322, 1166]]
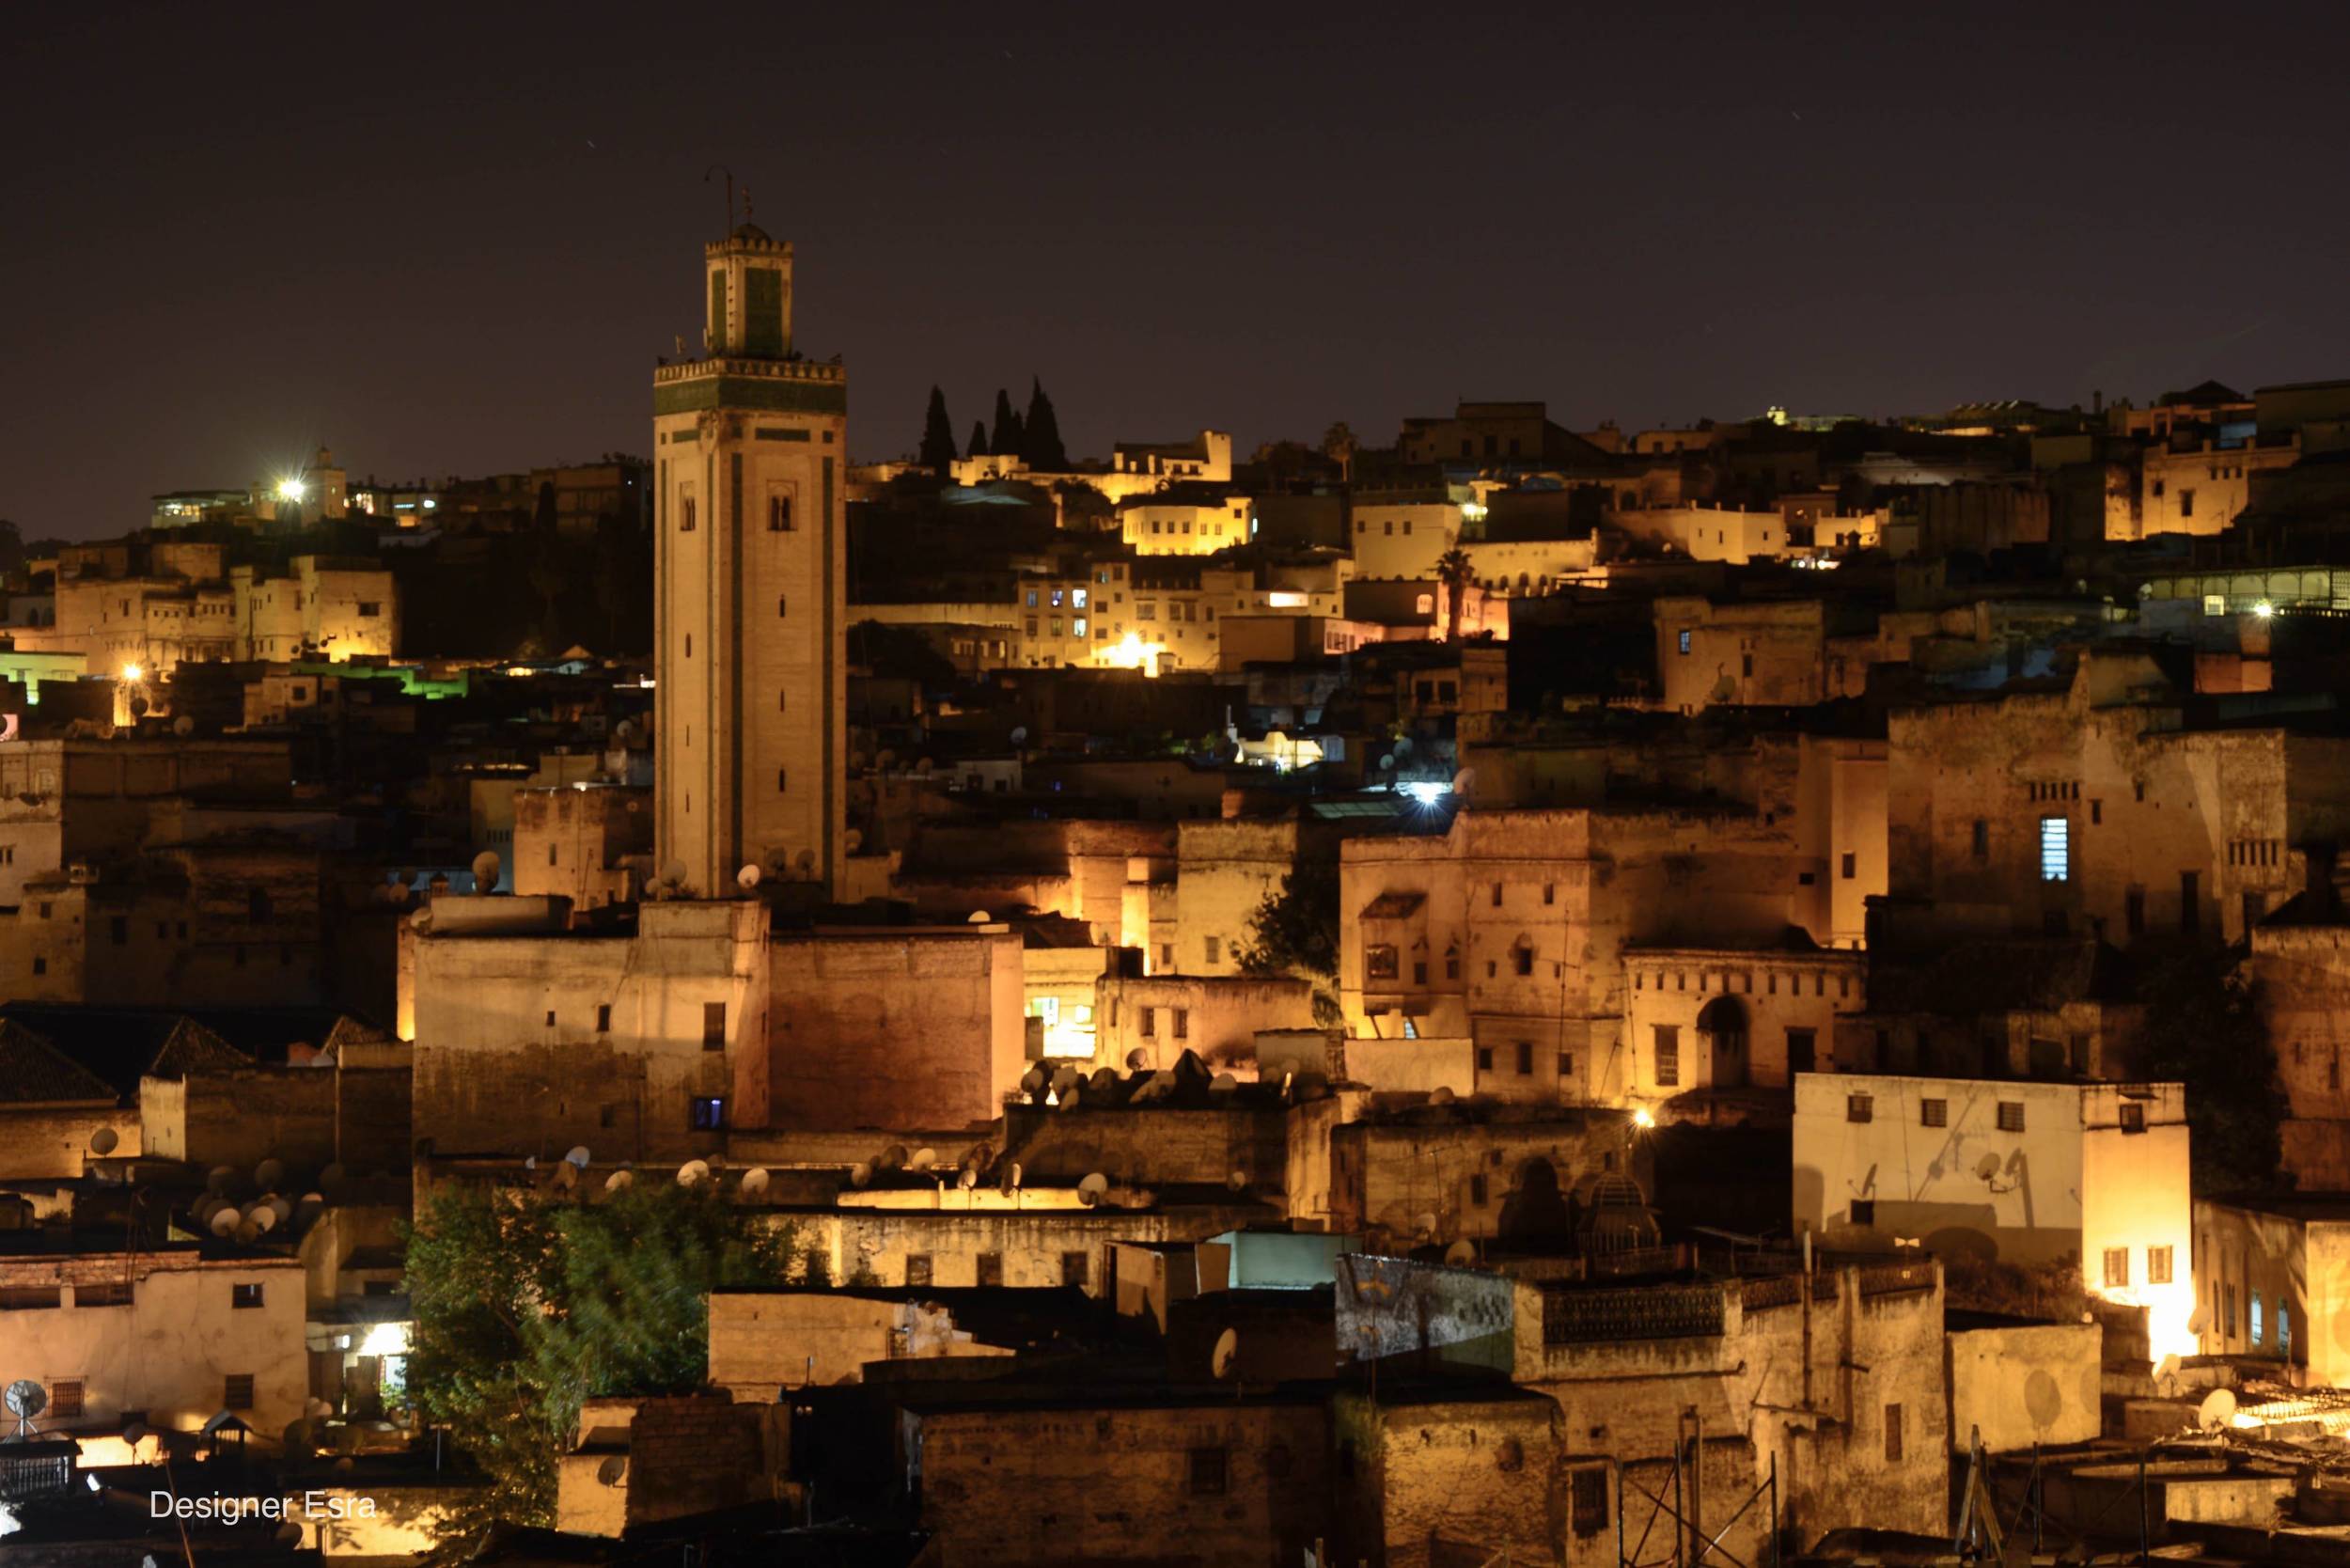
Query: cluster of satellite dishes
[[565, 1174], [1066, 1087], [222, 1214]]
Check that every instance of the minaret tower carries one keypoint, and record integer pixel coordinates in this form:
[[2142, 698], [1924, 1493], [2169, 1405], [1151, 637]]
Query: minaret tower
[[750, 590]]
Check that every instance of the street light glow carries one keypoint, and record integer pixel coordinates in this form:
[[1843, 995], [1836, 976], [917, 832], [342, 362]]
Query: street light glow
[[131, 672], [292, 489]]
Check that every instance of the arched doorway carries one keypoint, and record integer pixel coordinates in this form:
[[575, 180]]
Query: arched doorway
[[1722, 1032]]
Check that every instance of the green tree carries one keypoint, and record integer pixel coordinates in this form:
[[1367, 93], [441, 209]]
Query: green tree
[[2203, 1029], [527, 1303], [979, 439], [939, 434], [1294, 933], [1040, 431], [1454, 571], [1005, 435]]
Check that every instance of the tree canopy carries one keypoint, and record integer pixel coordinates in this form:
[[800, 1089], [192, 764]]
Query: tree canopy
[[2204, 1029], [979, 439], [1040, 431], [1006, 437], [939, 434], [527, 1303], [1294, 933]]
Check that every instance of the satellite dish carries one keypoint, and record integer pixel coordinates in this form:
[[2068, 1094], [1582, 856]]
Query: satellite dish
[[566, 1176], [312, 1201], [805, 862], [980, 917], [225, 1220], [2198, 1321], [1387, 762], [1461, 1253], [614, 1470], [248, 1231], [1093, 1189], [1012, 1178], [183, 726], [268, 1174], [860, 1174], [1069, 1101], [24, 1399], [135, 1433], [1236, 1179], [485, 870], [755, 1178], [1222, 1083], [103, 1141], [263, 1221], [1137, 1059], [332, 1177], [853, 840], [219, 1178], [692, 1173], [530, 1162], [290, 1534], [1986, 1167], [1462, 780], [2218, 1409], [892, 1158], [617, 1180], [969, 1179], [924, 1158], [747, 878], [1032, 1080], [577, 1156], [318, 1410], [1425, 1225], [1227, 1352], [623, 730], [673, 873], [1019, 733], [1440, 1095]]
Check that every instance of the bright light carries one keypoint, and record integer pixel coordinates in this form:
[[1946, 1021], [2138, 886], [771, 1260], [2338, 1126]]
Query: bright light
[[1428, 794], [2264, 609], [384, 1339], [292, 489], [1643, 1117], [131, 672], [1131, 652]]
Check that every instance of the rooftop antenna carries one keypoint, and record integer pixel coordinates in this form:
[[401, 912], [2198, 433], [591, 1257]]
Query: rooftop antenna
[[721, 168]]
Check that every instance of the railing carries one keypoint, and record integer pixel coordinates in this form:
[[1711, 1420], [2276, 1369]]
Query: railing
[[1786, 1290], [1889, 1278], [1657, 1312]]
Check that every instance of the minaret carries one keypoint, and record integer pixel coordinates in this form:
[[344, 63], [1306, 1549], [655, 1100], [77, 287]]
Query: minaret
[[750, 590]]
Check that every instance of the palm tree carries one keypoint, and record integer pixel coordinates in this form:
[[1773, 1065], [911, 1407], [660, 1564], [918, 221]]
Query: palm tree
[[1454, 572], [1337, 445]]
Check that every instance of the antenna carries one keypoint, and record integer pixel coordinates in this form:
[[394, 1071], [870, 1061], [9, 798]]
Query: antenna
[[26, 1398]]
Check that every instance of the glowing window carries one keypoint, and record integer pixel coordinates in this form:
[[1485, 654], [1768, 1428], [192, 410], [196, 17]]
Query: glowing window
[[2056, 849]]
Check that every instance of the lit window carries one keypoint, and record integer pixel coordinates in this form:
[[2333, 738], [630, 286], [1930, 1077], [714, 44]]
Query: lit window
[[2056, 849]]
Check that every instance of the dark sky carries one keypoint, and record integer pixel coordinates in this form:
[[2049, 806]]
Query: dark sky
[[451, 240]]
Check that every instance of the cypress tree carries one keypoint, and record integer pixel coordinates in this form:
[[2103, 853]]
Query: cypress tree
[[979, 439], [1042, 432], [939, 434], [1005, 435]]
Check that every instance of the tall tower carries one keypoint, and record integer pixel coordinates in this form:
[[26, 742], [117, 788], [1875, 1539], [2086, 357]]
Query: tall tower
[[750, 721]]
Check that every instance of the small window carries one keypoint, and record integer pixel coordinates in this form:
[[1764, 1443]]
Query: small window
[[1982, 840], [1208, 1472], [917, 1268], [1860, 1107], [2010, 1116], [783, 780], [1378, 962], [1852, 866], [779, 514], [119, 927], [236, 1391], [2257, 1323], [65, 1399], [1212, 947], [2056, 862], [1182, 1022], [1550, 892], [991, 1269], [1587, 1512], [685, 514], [1524, 959], [2157, 1265], [1496, 895], [1077, 1269], [244, 1296], [1150, 1023], [1566, 1065], [1668, 1037], [1934, 1113], [1485, 1059], [1892, 1435], [1864, 1210], [1526, 1059], [2133, 1116], [1684, 641], [603, 1017], [2117, 1266], [714, 1026], [708, 1113], [1476, 1191]]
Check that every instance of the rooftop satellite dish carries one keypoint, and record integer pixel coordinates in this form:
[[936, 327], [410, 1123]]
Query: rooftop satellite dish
[[755, 1178], [1069, 1101], [692, 1173], [332, 1177], [614, 1470], [183, 726], [103, 1141], [623, 730], [248, 1231], [288, 1534], [316, 1408], [1440, 1095], [1461, 1253], [747, 878], [219, 1178], [806, 861], [1137, 1059], [566, 1176], [980, 917], [1387, 763], [1462, 780], [24, 1399], [969, 1179], [1104, 1080], [860, 1174], [2198, 1321], [577, 1156], [530, 1162], [1236, 1180], [1222, 1083], [1986, 1167], [485, 870], [135, 1433], [2218, 1409], [617, 1180], [268, 1174], [892, 1158], [263, 1221], [924, 1158], [1425, 1225], [1226, 1353], [673, 873], [225, 1220], [1064, 1078], [1093, 1189], [854, 839], [1032, 1080], [1012, 1177], [312, 1201], [1019, 733]]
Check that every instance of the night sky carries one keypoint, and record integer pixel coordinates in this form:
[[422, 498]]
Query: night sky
[[451, 241]]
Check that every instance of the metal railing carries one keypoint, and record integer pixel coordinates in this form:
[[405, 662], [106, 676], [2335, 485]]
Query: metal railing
[[1656, 1312]]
